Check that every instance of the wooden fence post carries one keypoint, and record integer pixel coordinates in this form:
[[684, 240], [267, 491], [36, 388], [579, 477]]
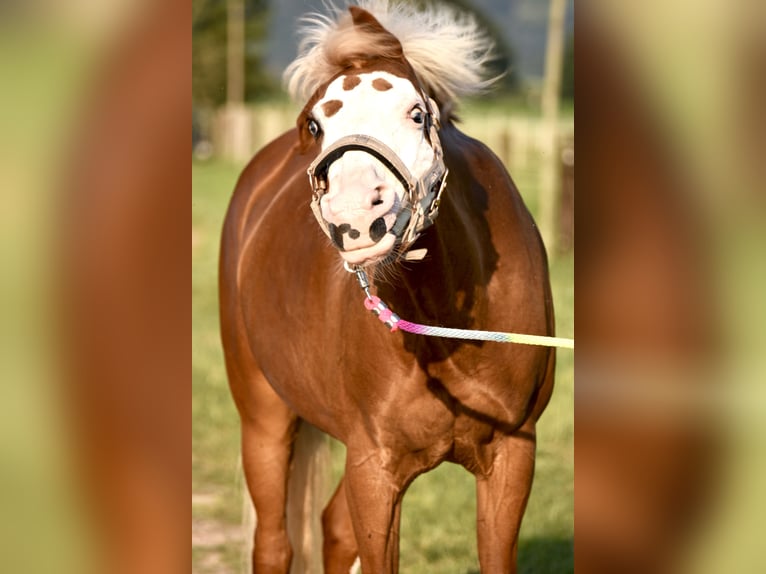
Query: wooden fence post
[[549, 168]]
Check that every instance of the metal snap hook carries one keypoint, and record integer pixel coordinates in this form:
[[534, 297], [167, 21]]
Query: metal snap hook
[[361, 277]]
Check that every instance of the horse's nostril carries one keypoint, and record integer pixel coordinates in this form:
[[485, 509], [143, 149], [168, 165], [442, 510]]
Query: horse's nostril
[[377, 197]]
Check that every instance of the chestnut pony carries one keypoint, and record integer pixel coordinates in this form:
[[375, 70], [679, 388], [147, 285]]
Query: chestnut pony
[[436, 221]]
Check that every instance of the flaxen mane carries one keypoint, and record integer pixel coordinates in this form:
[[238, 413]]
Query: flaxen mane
[[448, 50]]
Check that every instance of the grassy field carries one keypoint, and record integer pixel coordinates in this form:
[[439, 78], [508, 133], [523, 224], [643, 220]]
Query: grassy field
[[438, 523]]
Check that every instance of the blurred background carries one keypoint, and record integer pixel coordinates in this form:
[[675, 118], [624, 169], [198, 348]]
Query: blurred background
[[89, 359]]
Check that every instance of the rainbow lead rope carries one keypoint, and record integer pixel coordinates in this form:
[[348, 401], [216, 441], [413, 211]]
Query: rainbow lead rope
[[496, 336], [382, 312], [394, 323]]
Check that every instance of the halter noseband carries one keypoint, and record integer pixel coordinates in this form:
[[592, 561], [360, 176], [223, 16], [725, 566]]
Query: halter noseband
[[423, 194]]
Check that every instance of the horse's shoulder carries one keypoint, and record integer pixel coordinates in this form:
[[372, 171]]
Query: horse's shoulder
[[267, 174], [267, 164]]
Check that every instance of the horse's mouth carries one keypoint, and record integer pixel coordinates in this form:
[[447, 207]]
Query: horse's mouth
[[364, 242], [370, 254]]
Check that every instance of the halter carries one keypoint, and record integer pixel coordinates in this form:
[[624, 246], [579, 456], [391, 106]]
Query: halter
[[423, 195]]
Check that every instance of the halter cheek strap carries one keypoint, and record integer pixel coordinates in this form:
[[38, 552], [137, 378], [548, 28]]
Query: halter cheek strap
[[423, 195]]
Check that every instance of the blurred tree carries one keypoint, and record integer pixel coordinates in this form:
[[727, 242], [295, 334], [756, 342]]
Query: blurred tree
[[567, 74], [209, 52], [259, 82]]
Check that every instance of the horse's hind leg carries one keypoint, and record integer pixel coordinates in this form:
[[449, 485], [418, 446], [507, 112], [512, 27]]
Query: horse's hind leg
[[268, 432], [340, 549], [501, 499]]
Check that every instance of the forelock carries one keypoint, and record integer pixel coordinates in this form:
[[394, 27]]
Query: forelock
[[447, 50]]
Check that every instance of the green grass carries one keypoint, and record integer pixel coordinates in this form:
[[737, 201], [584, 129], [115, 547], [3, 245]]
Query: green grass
[[438, 522]]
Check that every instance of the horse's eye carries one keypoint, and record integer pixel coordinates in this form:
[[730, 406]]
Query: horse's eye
[[314, 128], [416, 115]]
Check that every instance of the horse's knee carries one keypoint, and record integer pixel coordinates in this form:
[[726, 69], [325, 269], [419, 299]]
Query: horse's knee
[[337, 529], [272, 553], [339, 546]]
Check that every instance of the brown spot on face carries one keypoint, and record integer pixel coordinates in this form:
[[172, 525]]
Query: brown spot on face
[[381, 85], [351, 82], [331, 108]]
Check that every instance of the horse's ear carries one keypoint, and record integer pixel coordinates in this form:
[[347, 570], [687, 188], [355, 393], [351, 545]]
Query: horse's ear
[[363, 19]]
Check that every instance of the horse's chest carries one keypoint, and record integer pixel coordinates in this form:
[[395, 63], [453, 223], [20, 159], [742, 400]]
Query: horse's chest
[[414, 420]]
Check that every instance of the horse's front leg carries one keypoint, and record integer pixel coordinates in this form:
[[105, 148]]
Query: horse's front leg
[[268, 432], [374, 496], [501, 499]]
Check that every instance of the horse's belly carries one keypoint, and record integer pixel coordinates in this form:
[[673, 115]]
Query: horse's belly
[[327, 374], [304, 377]]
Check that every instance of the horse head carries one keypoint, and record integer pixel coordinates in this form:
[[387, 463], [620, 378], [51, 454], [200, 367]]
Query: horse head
[[379, 171]]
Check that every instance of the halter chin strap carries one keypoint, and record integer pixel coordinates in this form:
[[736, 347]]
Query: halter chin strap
[[423, 194]]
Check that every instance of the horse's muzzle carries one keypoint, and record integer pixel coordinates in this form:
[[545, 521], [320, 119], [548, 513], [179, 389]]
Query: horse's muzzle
[[421, 196]]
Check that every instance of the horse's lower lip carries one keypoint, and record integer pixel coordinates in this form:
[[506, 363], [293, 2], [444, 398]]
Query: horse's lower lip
[[371, 253]]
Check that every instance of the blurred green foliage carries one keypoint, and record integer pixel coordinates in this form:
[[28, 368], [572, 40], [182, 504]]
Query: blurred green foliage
[[209, 52], [567, 74]]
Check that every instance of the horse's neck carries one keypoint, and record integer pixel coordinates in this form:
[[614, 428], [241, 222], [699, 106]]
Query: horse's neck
[[448, 283], [441, 287]]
